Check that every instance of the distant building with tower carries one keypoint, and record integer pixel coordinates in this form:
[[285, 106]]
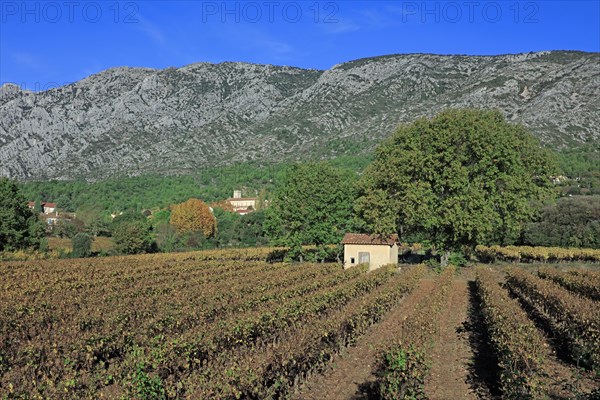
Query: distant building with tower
[[242, 205]]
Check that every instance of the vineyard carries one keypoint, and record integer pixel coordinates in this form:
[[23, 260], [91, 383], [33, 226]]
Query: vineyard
[[230, 325]]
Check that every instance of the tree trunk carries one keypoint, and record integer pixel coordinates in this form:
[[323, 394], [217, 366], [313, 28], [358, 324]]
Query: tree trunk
[[444, 259]]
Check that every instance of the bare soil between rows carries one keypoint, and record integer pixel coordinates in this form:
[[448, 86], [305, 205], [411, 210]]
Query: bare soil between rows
[[462, 363], [351, 374], [451, 355]]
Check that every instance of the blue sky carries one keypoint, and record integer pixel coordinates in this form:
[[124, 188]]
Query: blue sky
[[48, 43]]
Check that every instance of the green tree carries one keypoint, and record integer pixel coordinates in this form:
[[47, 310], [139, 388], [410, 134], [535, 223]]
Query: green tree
[[132, 237], [227, 235], [19, 227], [96, 223], [250, 229], [160, 217], [462, 178], [37, 208], [68, 228], [82, 245], [128, 216], [167, 239], [571, 222], [312, 205]]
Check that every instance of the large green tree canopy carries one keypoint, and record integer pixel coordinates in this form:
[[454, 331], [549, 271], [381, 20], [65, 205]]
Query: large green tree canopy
[[312, 205], [571, 222], [461, 178], [19, 226]]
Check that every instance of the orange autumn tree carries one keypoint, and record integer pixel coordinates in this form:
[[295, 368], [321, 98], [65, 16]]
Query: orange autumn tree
[[193, 216]]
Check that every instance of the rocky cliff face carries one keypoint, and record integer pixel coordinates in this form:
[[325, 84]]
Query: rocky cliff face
[[138, 120]]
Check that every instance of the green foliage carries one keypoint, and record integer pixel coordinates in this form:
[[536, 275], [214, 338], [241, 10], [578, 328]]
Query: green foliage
[[402, 374], [82, 245], [132, 237], [571, 222], [462, 178], [147, 387], [167, 239], [240, 230], [434, 264], [582, 165], [234, 231], [128, 216], [160, 217], [37, 208], [457, 259], [19, 227], [68, 229], [96, 220], [122, 193], [312, 205]]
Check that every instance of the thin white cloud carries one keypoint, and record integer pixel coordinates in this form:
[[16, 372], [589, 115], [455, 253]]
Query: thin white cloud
[[365, 19], [375, 19], [341, 27], [26, 60], [255, 39], [275, 47], [151, 30]]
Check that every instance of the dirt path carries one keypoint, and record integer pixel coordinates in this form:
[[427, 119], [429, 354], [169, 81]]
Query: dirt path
[[451, 356], [352, 372]]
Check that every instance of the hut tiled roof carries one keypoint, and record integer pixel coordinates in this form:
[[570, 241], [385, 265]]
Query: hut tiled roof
[[362, 238]]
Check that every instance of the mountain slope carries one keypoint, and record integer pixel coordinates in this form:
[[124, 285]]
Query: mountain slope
[[138, 120]]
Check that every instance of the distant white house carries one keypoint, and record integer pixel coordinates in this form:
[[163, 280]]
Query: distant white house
[[47, 207], [373, 250], [242, 205]]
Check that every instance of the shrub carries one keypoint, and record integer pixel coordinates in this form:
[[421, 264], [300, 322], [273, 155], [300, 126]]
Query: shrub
[[457, 259], [82, 245], [132, 237], [402, 374]]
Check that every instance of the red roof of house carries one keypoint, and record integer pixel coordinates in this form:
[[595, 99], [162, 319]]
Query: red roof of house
[[362, 238], [44, 204]]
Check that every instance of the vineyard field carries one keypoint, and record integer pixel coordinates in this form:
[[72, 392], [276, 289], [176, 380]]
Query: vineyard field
[[230, 325]]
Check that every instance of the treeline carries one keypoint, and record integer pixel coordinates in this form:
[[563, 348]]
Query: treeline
[[582, 165], [155, 191], [444, 182], [152, 191], [570, 222], [134, 232]]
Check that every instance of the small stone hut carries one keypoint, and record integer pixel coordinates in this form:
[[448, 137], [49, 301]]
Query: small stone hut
[[360, 248]]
